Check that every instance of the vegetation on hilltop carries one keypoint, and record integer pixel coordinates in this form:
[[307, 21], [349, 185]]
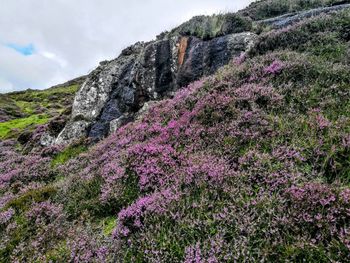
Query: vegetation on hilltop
[[208, 27], [264, 9]]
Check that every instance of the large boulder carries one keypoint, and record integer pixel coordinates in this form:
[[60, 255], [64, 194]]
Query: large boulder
[[116, 90]]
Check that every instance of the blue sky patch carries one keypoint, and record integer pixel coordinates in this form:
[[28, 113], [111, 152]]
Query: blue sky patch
[[26, 50]]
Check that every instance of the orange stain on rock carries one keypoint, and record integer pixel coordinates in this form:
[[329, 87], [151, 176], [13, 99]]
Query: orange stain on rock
[[182, 50]]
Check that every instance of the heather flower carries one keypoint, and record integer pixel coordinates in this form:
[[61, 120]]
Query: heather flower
[[345, 237], [6, 216], [5, 198], [241, 58], [285, 153], [345, 196], [86, 247], [258, 96], [274, 68], [204, 168], [112, 173], [317, 208], [193, 254], [322, 122], [130, 218], [47, 224], [346, 141], [153, 163]]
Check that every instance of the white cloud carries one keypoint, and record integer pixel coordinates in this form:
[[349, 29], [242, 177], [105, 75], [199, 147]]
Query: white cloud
[[63, 63], [6, 86], [71, 37]]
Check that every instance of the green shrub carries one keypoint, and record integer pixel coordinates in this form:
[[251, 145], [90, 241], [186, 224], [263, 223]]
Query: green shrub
[[82, 195], [21, 233], [324, 36], [23, 202], [297, 253], [58, 254], [108, 225], [208, 27], [69, 153]]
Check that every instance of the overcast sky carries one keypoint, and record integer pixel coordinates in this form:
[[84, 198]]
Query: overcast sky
[[46, 42]]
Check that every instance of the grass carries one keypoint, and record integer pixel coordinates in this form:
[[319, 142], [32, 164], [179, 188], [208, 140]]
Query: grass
[[26, 103], [108, 225], [67, 154], [12, 128], [27, 109], [208, 27], [23, 202]]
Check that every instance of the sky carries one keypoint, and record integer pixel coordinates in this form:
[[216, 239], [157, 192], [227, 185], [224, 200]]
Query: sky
[[47, 42]]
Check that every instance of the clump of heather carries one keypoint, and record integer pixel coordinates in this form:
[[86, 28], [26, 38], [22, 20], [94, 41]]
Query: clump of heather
[[218, 162], [86, 244], [43, 225], [17, 168], [319, 210]]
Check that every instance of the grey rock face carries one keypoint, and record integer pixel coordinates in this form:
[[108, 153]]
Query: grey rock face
[[117, 90], [95, 91], [72, 131], [290, 19], [46, 140], [203, 58]]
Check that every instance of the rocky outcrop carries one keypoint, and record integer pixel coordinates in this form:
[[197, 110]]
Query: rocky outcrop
[[292, 18], [117, 90], [205, 57]]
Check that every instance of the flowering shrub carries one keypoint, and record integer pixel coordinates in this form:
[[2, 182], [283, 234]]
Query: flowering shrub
[[130, 218], [193, 254], [154, 164], [319, 210], [6, 216], [85, 245], [45, 223], [275, 68]]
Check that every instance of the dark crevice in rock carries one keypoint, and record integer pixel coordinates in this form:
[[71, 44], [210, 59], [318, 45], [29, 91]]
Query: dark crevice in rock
[[163, 76]]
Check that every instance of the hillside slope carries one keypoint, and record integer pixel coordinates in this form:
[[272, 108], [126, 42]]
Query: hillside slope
[[248, 164], [21, 113]]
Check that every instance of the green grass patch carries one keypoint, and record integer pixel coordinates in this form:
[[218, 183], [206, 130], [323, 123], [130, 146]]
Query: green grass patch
[[14, 127], [23, 104], [108, 225], [60, 253], [35, 95], [69, 153], [23, 202]]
